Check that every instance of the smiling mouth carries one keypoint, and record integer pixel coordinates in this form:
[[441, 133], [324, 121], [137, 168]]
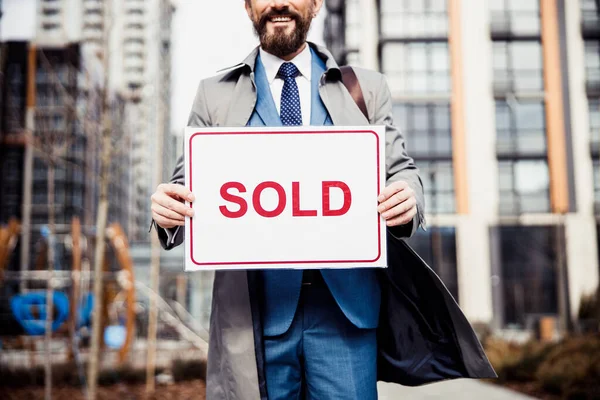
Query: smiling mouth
[[280, 19]]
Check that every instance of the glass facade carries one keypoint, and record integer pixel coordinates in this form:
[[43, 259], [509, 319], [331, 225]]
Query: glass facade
[[417, 68], [12, 121], [518, 66], [594, 108], [591, 35], [592, 65], [518, 71], [516, 17], [528, 241], [429, 140], [437, 247], [521, 128], [414, 18], [416, 61], [353, 31], [524, 186], [528, 260], [428, 126], [415, 58], [590, 15]]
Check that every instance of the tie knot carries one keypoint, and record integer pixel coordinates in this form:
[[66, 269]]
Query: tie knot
[[288, 70]]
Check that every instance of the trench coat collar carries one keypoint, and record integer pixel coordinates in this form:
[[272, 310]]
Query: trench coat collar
[[332, 69]]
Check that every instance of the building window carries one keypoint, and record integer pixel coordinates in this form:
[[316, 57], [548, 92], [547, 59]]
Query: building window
[[427, 129], [520, 112], [353, 27], [417, 68], [414, 18], [598, 240], [596, 167], [438, 184], [527, 261], [590, 14], [524, 186], [15, 100], [594, 108], [135, 11], [515, 17], [437, 247], [521, 128], [592, 65], [518, 66]]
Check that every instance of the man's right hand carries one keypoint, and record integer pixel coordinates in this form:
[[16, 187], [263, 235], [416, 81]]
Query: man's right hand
[[168, 209]]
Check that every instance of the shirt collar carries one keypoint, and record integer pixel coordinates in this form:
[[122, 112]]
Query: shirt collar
[[302, 61]]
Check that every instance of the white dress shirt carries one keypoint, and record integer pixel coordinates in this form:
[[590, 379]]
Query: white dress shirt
[[303, 62]]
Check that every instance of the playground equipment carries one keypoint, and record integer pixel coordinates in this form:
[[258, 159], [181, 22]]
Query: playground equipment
[[8, 240], [74, 304]]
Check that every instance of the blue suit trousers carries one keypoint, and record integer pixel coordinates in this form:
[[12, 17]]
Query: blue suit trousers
[[322, 355]]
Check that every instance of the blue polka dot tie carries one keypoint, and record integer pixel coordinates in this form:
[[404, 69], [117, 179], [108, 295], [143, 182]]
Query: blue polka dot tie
[[290, 111]]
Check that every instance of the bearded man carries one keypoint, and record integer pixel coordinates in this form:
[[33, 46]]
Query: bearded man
[[290, 334]]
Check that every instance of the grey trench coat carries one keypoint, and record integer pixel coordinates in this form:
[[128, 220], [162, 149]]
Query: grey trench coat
[[423, 336]]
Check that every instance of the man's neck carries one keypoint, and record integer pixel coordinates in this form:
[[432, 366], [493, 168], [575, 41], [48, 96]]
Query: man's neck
[[293, 55]]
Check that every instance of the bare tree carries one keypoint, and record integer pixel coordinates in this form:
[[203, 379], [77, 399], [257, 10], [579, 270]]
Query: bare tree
[[102, 215]]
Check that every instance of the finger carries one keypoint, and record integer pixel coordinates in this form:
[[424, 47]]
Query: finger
[[399, 209], [170, 203], [165, 222], [165, 212], [403, 219], [397, 198], [176, 189], [391, 189]]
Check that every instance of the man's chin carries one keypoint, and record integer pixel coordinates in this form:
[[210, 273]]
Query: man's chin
[[273, 31]]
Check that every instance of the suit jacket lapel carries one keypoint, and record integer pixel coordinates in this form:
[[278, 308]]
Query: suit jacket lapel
[[265, 106], [252, 93]]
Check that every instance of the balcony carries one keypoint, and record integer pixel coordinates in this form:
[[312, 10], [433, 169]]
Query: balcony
[[135, 19], [93, 19], [135, 62], [93, 34], [50, 7], [51, 20], [134, 48], [93, 6]]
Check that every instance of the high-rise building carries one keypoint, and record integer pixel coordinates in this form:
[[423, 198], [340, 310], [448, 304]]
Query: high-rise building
[[500, 104], [67, 44], [139, 79], [146, 81]]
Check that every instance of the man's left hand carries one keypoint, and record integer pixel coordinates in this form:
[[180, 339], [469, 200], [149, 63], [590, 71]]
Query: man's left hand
[[397, 204]]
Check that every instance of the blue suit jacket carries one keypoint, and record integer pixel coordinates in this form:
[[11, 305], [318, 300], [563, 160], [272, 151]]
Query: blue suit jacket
[[356, 291]]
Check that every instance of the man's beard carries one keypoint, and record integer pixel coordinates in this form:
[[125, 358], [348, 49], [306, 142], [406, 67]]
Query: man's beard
[[279, 43]]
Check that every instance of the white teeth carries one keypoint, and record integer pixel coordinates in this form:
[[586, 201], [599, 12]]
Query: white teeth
[[281, 19]]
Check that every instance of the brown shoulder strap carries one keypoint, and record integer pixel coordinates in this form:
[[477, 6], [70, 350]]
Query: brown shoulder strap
[[351, 82]]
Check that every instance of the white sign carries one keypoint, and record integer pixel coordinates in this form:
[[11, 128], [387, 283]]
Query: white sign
[[293, 197]]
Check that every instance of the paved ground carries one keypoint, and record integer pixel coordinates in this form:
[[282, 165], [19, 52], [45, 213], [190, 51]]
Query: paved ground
[[463, 389]]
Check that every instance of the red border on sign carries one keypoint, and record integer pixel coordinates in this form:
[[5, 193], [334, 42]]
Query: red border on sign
[[293, 261]]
